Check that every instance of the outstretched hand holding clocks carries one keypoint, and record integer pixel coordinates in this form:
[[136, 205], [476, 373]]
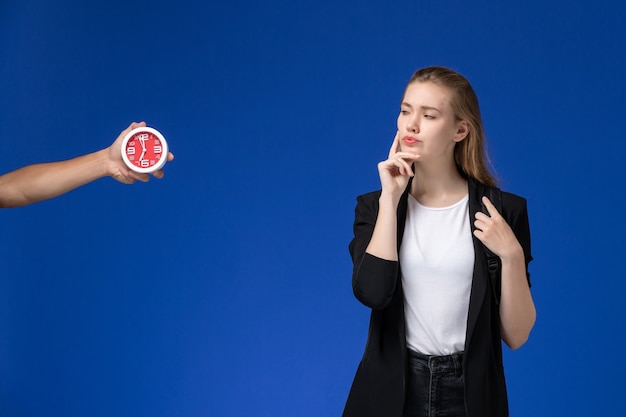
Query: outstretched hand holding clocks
[[137, 152], [38, 182]]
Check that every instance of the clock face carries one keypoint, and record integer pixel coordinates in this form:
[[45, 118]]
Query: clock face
[[144, 150]]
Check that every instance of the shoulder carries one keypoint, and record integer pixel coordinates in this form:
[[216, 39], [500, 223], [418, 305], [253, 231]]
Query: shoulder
[[367, 206], [515, 212], [512, 206], [513, 200], [513, 203], [368, 199], [510, 201]]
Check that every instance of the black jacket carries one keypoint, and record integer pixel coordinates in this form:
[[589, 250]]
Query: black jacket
[[379, 384]]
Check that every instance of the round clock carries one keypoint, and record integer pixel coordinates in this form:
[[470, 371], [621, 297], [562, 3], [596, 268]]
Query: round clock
[[144, 150]]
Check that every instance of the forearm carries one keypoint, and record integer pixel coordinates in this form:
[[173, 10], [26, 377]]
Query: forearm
[[517, 310], [39, 182], [384, 238]]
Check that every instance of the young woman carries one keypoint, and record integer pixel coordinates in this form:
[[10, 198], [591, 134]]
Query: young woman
[[420, 263]]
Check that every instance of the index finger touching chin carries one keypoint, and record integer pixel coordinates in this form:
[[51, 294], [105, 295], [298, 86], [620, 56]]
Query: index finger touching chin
[[395, 146]]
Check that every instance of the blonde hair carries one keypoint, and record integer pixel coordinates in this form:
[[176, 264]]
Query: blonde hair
[[469, 154]]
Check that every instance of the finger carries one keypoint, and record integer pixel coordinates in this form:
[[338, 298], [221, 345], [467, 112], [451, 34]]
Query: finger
[[128, 129], [136, 176], [403, 167], [122, 175], [142, 177], [158, 174], [170, 156], [480, 235], [406, 165], [135, 125], [389, 166], [481, 225], [407, 156], [491, 209], [395, 146], [480, 216]]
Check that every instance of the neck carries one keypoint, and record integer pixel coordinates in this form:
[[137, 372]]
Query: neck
[[438, 186]]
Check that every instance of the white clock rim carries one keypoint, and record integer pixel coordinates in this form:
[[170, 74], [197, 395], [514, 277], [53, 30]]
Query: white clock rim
[[153, 168]]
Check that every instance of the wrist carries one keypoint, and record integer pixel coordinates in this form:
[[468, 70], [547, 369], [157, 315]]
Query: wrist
[[102, 162], [514, 256], [388, 200]]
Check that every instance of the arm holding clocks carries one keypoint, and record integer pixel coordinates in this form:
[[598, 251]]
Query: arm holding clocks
[[38, 182]]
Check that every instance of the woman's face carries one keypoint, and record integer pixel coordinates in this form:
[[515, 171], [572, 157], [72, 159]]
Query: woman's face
[[426, 122]]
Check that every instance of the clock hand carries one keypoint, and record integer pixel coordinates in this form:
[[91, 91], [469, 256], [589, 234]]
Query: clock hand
[[142, 140]]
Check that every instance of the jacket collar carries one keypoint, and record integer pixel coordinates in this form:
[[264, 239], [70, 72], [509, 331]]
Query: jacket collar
[[480, 284]]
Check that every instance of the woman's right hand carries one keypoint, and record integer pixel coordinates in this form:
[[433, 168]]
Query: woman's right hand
[[396, 171]]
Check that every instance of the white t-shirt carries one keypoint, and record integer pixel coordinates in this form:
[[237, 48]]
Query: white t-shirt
[[437, 261]]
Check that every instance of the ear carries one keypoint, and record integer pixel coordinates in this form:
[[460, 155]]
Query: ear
[[462, 131]]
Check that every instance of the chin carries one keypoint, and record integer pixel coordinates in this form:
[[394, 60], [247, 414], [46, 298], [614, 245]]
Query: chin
[[414, 151]]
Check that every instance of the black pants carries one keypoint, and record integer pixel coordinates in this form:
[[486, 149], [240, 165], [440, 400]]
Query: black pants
[[435, 386]]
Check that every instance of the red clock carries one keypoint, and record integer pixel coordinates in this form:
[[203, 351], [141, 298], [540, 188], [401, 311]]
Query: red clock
[[144, 150]]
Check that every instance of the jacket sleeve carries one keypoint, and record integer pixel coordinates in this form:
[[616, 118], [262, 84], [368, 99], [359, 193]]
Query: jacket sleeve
[[517, 218], [373, 279]]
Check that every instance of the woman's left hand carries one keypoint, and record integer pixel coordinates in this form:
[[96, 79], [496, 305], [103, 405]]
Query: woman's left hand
[[517, 310], [494, 232]]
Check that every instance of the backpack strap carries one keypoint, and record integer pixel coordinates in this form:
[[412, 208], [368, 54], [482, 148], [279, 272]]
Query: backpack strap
[[493, 261]]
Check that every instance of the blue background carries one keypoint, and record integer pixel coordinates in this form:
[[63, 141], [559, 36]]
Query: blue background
[[236, 299]]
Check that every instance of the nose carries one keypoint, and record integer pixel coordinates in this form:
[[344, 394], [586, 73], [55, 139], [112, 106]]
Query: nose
[[412, 124]]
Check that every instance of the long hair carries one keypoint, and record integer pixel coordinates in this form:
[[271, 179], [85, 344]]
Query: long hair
[[469, 154]]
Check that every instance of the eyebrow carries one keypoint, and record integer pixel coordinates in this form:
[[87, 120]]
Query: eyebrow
[[404, 103]]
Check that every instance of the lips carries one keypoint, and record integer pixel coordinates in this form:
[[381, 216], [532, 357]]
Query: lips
[[409, 140]]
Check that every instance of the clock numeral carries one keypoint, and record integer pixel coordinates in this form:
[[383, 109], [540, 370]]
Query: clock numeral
[[145, 163], [130, 151], [157, 149], [143, 136]]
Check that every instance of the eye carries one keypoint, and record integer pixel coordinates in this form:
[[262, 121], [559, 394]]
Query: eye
[[429, 116], [404, 112]]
